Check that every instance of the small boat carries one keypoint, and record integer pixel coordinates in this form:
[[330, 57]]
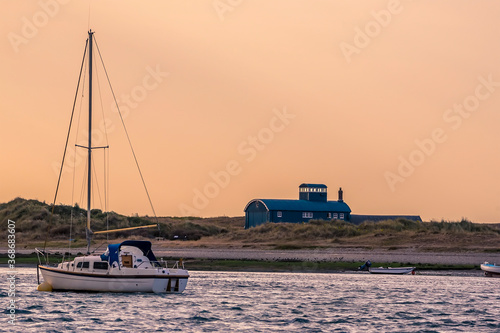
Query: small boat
[[490, 270], [392, 270], [129, 266]]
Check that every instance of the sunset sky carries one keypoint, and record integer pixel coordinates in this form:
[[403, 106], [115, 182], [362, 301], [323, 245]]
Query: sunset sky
[[397, 102]]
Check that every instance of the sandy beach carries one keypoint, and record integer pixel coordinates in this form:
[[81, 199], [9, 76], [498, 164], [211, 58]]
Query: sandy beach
[[406, 256], [346, 255]]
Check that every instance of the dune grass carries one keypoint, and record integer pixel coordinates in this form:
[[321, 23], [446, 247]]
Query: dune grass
[[35, 224]]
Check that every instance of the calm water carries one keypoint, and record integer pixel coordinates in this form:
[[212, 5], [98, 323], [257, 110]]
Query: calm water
[[270, 302]]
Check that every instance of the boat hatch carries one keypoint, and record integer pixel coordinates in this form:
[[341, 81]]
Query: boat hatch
[[127, 261]]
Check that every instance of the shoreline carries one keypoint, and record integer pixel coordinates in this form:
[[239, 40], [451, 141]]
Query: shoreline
[[336, 255], [323, 255]]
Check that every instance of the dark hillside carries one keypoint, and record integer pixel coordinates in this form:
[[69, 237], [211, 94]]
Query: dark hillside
[[32, 219], [33, 228]]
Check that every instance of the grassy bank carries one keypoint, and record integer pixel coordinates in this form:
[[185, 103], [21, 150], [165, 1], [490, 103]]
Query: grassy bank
[[35, 225], [263, 265]]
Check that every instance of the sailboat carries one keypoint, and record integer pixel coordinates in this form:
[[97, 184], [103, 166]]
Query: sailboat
[[129, 266]]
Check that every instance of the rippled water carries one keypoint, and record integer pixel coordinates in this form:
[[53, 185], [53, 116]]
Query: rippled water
[[270, 302]]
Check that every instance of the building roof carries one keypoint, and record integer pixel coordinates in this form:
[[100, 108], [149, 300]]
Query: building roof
[[303, 205], [313, 185]]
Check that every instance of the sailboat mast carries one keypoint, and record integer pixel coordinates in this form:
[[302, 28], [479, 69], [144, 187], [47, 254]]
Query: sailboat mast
[[89, 179]]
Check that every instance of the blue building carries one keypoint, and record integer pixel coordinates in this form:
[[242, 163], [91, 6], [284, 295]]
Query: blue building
[[312, 204]]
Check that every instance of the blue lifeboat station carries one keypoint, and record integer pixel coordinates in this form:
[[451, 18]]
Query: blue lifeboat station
[[312, 204]]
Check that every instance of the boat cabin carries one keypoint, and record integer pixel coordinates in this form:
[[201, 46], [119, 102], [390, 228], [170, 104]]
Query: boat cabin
[[129, 254], [90, 264]]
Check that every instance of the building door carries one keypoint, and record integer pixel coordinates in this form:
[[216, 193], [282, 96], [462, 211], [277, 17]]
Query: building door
[[257, 218]]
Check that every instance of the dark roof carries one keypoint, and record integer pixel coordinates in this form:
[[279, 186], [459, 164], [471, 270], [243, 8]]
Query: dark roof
[[313, 185], [358, 219], [303, 205]]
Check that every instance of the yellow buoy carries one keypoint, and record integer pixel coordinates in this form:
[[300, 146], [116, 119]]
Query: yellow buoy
[[44, 286]]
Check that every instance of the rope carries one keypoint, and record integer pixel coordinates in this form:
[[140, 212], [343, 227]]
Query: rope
[[84, 183], [65, 148], [74, 160], [106, 184], [126, 133], [102, 108], [97, 182]]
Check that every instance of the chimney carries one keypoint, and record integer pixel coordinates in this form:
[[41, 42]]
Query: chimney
[[341, 194]]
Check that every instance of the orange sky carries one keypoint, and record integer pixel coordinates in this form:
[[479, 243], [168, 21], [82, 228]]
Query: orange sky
[[397, 102]]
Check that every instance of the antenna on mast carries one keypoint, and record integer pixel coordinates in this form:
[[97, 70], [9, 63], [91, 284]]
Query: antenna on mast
[[88, 20]]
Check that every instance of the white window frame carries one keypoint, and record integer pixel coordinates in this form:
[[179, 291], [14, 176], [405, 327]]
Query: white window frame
[[341, 216], [279, 214], [307, 215], [335, 216]]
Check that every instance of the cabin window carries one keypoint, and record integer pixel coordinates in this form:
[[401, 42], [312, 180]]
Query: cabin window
[[279, 214], [329, 215], [100, 265], [341, 216], [83, 264], [307, 215], [335, 216]]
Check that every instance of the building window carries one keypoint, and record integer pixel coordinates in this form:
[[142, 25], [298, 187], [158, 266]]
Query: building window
[[279, 214], [329, 215], [307, 215], [341, 216], [335, 216]]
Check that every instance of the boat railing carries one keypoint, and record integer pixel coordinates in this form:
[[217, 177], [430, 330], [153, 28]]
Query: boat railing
[[159, 263], [44, 255], [163, 263], [178, 264]]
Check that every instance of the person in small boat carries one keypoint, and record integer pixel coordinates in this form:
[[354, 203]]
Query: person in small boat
[[365, 266]]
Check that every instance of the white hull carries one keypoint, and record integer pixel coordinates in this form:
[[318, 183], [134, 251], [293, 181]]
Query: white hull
[[490, 270], [392, 270], [124, 280]]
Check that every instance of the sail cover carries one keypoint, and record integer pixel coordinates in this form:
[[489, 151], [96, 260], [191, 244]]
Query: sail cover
[[114, 250]]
